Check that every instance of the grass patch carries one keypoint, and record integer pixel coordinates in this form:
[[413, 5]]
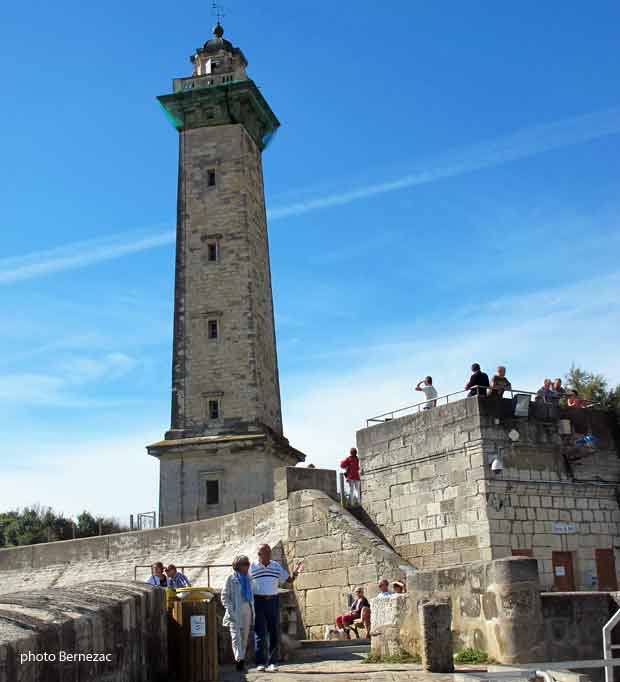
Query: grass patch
[[402, 657], [471, 655]]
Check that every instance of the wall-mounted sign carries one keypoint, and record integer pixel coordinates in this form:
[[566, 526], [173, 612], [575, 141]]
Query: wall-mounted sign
[[563, 527], [560, 571], [198, 626]]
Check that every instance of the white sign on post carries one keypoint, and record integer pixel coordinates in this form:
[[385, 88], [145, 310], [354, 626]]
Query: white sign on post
[[198, 626]]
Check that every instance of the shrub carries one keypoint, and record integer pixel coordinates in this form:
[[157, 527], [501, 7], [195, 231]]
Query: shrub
[[471, 655]]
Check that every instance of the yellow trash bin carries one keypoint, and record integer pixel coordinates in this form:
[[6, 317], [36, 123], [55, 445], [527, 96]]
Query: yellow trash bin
[[192, 634]]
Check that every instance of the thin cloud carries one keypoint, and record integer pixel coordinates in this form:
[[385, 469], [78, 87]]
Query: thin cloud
[[541, 336], [517, 145], [79, 255]]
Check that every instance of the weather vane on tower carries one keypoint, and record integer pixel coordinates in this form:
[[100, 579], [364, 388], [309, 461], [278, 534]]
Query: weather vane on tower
[[218, 11]]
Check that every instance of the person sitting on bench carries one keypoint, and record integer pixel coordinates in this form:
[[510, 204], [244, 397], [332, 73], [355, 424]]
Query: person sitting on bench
[[346, 620]]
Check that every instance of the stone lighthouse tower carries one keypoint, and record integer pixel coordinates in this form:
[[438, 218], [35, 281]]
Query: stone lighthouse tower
[[226, 436]]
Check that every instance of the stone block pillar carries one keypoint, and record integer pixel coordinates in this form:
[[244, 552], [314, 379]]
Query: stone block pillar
[[435, 621]]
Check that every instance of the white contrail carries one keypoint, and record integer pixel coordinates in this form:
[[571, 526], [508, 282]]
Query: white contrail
[[518, 145], [79, 255]]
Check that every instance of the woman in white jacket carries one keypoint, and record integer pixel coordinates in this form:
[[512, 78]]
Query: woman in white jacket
[[238, 601]]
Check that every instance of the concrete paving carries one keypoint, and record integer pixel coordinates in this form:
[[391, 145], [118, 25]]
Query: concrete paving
[[344, 671]]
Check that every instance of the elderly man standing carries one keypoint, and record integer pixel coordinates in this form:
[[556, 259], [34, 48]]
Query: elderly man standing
[[266, 575]]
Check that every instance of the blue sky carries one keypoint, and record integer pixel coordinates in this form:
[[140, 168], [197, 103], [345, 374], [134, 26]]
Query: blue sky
[[444, 189]]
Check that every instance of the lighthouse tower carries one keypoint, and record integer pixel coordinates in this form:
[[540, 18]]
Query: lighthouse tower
[[226, 435]]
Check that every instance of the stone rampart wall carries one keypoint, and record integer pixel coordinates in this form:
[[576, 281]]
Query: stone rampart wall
[[423, 484], [123, 624], [339, 553], [427, 484], [574, 622], [213, 541], [495, 607], [553, 495]]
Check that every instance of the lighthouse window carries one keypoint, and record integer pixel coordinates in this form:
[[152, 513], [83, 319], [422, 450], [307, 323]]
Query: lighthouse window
[[213, 329], [213, 492], [214, 409], [213, 252], [211, 178]]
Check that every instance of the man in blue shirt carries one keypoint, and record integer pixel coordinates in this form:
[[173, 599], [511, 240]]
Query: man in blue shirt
[[176, 578], [266, 575]]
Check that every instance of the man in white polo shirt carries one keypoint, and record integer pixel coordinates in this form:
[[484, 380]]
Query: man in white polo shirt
[[266, 575]]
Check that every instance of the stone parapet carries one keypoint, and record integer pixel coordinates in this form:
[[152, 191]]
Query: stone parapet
[[43, 635]]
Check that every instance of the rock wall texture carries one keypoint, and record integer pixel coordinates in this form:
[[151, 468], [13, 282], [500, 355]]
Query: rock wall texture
[[495, 607], [242, 468], [423, 483], [47, 636], [213, 541], [574, 623], [232, 291], [338, 553], [427, 484]]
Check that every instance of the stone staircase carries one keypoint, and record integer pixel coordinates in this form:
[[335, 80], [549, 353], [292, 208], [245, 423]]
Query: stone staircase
[[331, 650]]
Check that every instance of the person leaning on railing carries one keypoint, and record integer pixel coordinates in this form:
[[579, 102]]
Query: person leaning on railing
[[176, 578], [478, 381], [500, 383], [545, 392], [157, 577]]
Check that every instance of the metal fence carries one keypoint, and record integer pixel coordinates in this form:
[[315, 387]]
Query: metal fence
[[184, 567], [445, 399]]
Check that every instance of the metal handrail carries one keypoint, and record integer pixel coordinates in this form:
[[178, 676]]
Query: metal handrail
[[388, 416], [608, 647], [182, 568]]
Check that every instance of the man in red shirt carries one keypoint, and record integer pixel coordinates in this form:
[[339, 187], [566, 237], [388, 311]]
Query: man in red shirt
[[351, 466]]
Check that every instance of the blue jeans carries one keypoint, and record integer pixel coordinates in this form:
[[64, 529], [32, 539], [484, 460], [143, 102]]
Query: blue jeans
[[267, 622]]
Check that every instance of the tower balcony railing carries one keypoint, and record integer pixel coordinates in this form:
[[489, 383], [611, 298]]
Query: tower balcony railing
[[424, 405]]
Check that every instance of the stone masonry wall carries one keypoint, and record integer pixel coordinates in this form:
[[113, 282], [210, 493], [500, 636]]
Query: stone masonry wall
[[552, 495], [213, 541], [565, 616], [126, 621], [423, 484], [243, 467], [240, 367], [338, 553], [427, 483], [495, 607]]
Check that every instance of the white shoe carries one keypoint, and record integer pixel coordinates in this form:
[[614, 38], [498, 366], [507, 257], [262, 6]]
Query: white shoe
[[271, 668], [260, 668]]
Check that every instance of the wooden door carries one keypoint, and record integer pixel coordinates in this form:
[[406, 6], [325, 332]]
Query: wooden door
[[522, 552], [563, 576], [606, 569]]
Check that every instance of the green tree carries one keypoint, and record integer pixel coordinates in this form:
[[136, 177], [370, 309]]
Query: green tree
[[594, 387], [36, 524]]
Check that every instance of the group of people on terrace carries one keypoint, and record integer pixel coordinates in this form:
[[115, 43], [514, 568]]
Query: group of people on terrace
[[359, 611], [250, 597], [480, 385]]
